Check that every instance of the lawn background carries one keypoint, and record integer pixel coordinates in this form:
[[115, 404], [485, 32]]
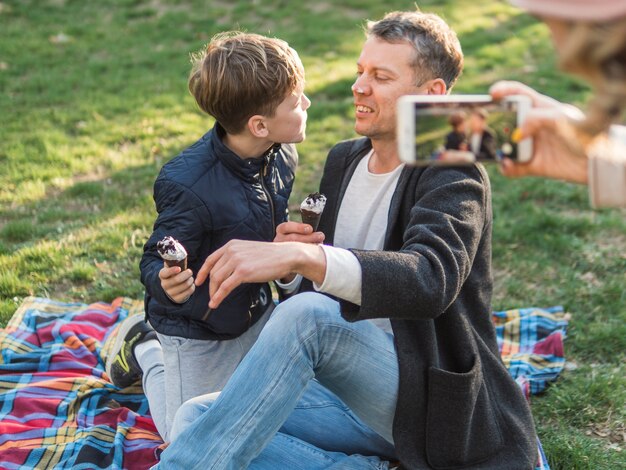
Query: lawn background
[[93, 101]]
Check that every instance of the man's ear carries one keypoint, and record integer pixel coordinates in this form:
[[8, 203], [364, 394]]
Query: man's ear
[[437, 87], [257, 126]]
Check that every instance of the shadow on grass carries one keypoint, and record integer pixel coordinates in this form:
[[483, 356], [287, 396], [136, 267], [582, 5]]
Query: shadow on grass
[[85, 238]]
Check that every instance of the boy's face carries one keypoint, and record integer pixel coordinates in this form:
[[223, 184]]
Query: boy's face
[[384, 74], [288, 125]]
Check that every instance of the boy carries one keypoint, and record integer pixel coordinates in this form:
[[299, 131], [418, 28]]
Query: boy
[[232, 183]]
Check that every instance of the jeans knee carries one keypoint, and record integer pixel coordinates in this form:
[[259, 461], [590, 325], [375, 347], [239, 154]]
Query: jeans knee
[[307, 308], [189, 411]]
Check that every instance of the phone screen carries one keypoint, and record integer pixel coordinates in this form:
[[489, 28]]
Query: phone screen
[[465, 132]]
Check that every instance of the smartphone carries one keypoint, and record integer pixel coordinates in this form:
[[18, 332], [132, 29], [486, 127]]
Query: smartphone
[[461, 129]]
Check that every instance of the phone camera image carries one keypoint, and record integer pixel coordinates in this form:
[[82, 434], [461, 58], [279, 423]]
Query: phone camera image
[[465, 133], [460, 129]]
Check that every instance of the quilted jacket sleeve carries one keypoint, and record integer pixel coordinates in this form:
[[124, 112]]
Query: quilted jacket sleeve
[[182, 215]]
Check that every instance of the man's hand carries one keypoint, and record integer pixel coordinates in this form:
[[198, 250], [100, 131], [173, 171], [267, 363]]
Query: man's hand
[[177, 285], [297, 232], [241, 261], [556, 153]]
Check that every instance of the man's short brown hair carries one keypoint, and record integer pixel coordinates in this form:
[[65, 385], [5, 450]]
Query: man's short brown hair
[[438, 52], [480, 112], [239, 75]]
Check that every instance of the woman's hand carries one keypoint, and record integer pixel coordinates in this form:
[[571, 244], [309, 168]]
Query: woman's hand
[[556, 152]]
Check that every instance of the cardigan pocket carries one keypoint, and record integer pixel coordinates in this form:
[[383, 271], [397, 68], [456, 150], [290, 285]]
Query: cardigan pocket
[[462, 420]]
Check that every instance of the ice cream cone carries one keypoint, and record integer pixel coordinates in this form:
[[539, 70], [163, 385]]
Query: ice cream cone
[[312, 208], [172, 252]]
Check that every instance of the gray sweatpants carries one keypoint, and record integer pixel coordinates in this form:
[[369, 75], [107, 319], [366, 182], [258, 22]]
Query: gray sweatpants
[[187, 368]]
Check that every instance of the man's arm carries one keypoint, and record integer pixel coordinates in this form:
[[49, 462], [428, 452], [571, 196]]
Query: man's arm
[[444, 233]]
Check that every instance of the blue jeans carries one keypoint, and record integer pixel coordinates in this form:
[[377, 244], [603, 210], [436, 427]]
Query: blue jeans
[[304, 441], [306, 338]]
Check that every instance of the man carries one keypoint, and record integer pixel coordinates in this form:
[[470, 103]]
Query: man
[[408, 346]]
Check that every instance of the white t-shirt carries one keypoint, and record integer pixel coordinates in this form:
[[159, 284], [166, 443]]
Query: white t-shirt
[[362, 219], [475, 141]]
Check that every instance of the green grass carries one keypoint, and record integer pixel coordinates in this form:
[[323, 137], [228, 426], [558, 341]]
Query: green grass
[[93, 101]]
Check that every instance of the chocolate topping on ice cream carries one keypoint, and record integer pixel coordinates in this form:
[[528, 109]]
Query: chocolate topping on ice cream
[[170, 249], [311, 209], [314, 202]]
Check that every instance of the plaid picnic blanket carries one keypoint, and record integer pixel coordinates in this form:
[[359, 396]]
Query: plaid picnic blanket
[[530, 341], [57, 406], [59, 410]]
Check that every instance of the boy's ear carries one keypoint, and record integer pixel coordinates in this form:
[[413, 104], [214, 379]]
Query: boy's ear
[[257, 126], [437, 87]]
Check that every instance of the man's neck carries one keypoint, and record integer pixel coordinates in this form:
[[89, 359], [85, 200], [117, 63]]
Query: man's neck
[[246, 146], [385, 158]]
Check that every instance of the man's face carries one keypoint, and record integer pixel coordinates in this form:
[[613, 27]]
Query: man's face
[[288, 125], [384, 74]]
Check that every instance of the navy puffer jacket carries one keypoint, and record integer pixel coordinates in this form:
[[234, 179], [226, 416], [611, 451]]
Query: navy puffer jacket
[[205, 197]]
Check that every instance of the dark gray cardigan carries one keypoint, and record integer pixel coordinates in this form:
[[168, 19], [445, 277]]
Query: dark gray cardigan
[[457, 406]]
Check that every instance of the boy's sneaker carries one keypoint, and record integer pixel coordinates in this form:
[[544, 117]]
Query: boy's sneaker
[[121, 365]]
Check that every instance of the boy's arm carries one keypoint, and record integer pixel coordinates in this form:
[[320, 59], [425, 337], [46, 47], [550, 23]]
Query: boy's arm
[[181, 215]]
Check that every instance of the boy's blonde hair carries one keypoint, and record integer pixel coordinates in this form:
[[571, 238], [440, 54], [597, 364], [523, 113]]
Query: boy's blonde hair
[[239, 75]]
